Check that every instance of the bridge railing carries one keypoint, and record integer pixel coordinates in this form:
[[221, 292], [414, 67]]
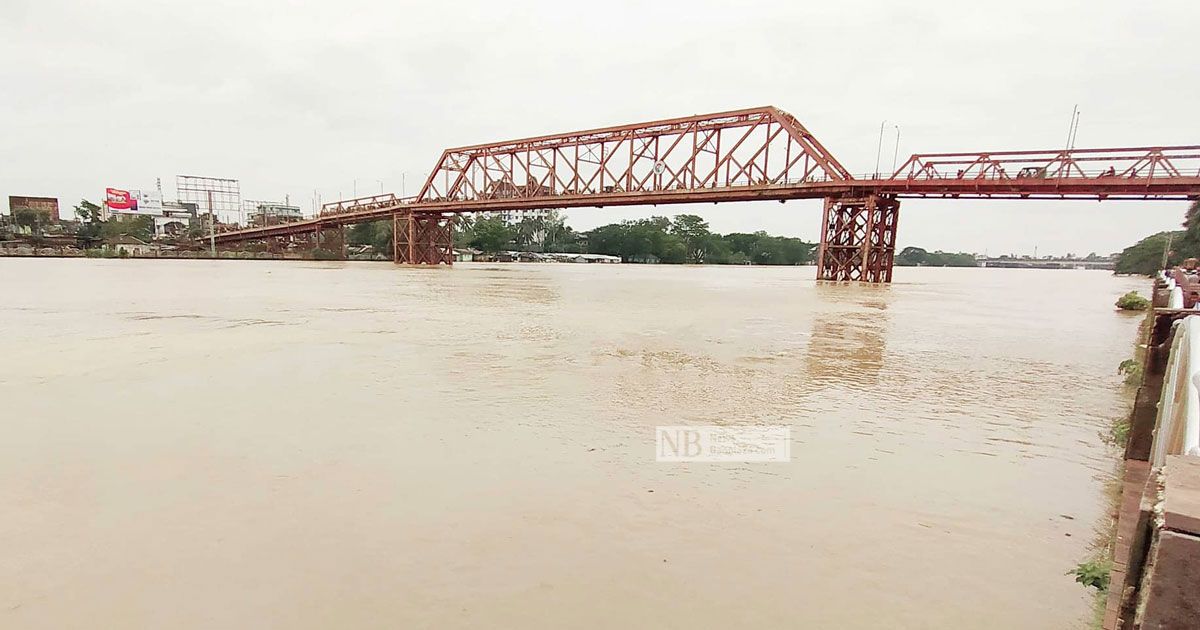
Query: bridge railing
[[1178, 424], [1179, 409], [360, 204], [1126, 163]]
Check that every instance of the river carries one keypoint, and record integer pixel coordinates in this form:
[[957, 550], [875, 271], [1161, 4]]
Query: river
[[218, 444]]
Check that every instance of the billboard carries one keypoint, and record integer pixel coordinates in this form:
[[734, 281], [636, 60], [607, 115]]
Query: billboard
[[117, 199], [122, 201], [148, 201], [219, 196], [47, 206]]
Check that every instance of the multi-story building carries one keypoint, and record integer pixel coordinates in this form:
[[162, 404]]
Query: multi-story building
[[513, 217], [269, 213]]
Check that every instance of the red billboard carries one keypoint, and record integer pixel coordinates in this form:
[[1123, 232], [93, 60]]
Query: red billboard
[[120, 199]]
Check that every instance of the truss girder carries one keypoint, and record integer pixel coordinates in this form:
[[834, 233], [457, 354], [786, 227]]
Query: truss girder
[[753, 147]]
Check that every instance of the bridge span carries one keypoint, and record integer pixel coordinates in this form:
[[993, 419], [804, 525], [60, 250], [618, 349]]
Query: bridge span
[[758, 154]]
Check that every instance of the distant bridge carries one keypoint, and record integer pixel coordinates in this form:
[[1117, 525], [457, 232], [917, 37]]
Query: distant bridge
[[1046, 263], [759, 154]]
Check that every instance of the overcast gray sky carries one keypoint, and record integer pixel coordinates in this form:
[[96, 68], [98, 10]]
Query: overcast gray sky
[[292, 97]]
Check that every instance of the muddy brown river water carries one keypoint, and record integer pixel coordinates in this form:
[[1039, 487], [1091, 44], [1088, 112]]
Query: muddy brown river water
[[221, 444]]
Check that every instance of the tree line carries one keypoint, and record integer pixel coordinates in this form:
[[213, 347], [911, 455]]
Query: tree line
[[1146, 256], [917, 257], [685, 238]]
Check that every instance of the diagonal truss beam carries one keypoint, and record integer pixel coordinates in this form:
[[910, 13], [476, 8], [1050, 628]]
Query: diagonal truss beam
[[725, 150]]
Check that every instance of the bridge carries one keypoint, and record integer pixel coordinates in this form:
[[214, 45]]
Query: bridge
[[758, 154]]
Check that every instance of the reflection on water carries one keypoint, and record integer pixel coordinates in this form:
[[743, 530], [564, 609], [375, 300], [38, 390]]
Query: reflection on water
[[232, 444], [847, 348]]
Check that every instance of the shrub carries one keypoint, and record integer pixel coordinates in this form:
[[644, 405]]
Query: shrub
[[1093, 573], [1132, 302], [1132, 371]]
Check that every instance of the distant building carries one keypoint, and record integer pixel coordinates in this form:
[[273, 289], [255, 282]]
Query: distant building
[[465, 255], [266, 213], [129, 246], [513, 217], [176, 219], [46, 206]]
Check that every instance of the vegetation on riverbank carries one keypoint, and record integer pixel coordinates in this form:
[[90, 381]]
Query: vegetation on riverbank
[[683, 239], [686, 238], [1095, 572], [1146, 256], [917, 257], [1132, 301]]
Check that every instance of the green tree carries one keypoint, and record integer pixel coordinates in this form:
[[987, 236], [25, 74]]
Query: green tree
[[1145, 257], [87, 212], [362, 233], [30, 218], [90, 224], [559, 237], [916, 256], [463, 228], [912, 257], [1189, 244], [491, 234], [377, 234], [529, 232], [693, 232], [137, 226], [796, 251]]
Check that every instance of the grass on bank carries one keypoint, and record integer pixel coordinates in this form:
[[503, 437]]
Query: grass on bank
[[1094, 573]]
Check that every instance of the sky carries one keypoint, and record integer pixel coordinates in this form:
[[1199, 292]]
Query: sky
[[331, 98]]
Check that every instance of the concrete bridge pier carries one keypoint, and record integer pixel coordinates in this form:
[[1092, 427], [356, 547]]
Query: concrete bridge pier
[[858, 238], [422, 239]]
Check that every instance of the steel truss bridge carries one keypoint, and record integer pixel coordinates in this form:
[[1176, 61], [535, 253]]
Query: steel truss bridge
[[757, 154]]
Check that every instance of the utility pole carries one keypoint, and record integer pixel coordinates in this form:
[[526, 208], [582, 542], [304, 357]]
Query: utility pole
[[212, 228]]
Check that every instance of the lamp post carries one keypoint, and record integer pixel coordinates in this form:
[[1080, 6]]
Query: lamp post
[[879, 149], [896, 152]]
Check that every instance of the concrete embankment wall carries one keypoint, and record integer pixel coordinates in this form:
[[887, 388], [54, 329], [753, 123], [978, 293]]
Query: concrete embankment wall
[[1155, 581]]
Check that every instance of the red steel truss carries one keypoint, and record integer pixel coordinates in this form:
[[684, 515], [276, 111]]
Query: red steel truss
[[746, 155], [422, 239], [1132, 173], [741, 149], [858, 238]]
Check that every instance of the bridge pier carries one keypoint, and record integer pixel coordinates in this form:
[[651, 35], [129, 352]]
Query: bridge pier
[[858, 238], [422, 239]]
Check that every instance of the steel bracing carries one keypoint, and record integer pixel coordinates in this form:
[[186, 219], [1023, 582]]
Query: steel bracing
[[754, 154], [422, 239], [858, 238]]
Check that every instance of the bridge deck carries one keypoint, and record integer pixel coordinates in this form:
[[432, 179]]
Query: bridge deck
[[1096, 188]]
